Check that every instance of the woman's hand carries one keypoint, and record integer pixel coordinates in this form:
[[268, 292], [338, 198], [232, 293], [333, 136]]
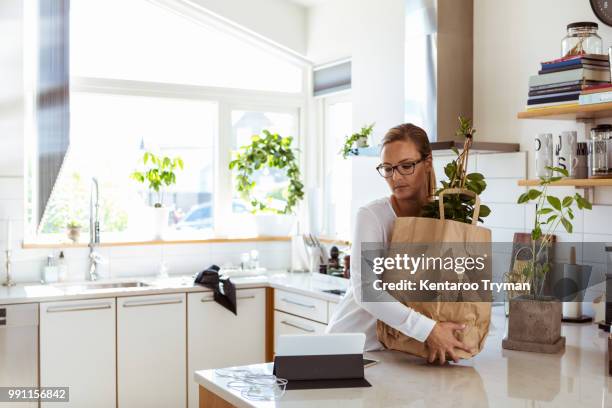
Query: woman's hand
[[442, 342]]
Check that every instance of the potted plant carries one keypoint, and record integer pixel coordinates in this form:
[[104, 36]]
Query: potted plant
[[159, 173], [269, 151], [459, 207], [356, 140], [535, 319], [74, 231]]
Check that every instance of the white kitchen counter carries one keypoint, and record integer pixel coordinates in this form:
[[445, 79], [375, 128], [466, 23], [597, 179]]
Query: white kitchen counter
[[494, 378], [299, 282]]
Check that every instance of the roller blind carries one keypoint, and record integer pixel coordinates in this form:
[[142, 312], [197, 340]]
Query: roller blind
[[53, 96], [331, 78]]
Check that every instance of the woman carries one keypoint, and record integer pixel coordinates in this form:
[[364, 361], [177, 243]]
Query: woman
[[407, 168]]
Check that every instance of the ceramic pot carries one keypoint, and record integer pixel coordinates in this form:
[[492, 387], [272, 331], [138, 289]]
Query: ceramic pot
[[361, 142], [160, 222], [274, 225], [534, 325], [74, 234]]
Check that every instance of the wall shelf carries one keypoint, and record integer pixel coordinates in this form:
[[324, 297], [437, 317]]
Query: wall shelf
[[572, 112], [578, 183]]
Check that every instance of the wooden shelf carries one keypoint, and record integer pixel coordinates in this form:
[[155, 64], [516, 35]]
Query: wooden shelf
[[573, 112], [580, 183]]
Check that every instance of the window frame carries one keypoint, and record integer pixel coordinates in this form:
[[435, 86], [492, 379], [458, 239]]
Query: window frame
[[227, 99], [323, 103]]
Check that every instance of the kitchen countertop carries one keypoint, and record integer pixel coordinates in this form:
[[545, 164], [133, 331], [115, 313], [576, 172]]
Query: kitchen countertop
[[299, 282], [494, 378]]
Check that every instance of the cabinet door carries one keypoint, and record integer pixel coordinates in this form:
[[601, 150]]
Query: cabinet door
[[285, 323], [217, 338], [77, 350], [151, 351]]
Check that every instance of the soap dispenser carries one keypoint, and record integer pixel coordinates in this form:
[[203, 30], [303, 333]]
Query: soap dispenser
[[50, 273]]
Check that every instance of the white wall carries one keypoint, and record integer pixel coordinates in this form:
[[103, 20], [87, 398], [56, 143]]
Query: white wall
[[279, 20], [371, 32]]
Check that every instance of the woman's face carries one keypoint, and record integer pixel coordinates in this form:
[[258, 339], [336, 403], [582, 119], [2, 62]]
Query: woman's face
[[406, 187]]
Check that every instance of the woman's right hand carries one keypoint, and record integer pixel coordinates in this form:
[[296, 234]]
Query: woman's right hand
[[442, 342]]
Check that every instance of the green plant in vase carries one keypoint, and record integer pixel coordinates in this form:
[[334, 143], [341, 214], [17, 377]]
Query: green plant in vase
[[534, 320], [159, 173], [266, 152], [356, 140]]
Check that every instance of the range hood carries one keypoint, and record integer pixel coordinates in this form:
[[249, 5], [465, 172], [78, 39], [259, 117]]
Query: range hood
[[438, 70]]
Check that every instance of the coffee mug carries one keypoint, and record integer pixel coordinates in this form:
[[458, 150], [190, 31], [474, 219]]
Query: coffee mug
[[565, 152], [543, 154]]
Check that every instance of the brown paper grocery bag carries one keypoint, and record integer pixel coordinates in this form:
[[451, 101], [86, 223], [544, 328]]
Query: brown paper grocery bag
[[476, 315]]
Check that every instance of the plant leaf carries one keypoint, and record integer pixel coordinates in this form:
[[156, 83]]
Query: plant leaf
[[567, 225], [554, 202]]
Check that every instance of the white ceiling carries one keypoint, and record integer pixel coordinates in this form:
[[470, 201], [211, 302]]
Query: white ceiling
[[309, 3]]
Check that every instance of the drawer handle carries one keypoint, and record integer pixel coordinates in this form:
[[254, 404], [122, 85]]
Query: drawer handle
[[137, 303], [60, 309], [298, 327], [293, 302], [206, 299]]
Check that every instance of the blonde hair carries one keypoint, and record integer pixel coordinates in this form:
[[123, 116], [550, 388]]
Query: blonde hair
[[407, 132]]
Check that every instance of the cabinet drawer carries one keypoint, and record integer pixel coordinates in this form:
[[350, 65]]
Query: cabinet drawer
[[288, 324], [300, 305]]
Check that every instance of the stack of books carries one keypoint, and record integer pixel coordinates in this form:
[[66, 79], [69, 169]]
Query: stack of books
[[560, 82], [596, 94]]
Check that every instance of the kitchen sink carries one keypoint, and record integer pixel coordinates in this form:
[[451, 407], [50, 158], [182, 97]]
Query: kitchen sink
[[78, 287]]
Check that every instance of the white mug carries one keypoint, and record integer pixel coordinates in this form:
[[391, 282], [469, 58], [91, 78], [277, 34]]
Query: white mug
[[565, 152], [543, 154]]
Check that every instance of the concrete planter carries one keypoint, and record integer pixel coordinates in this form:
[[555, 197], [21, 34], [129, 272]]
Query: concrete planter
[[535, 325]]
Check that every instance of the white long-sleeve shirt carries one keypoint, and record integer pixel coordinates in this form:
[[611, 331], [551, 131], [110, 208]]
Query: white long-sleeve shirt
[[374, 223]]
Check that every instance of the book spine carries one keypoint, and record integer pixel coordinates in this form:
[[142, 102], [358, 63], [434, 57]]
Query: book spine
[[562, 98], [571, 75], [593, 98]]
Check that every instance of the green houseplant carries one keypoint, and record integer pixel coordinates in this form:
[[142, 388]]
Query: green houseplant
[[265, 152], [459, 207], [159, 173], [359, 139], [534, 319]]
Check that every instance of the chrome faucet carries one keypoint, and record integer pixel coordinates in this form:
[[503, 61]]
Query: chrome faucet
[[95, 259]]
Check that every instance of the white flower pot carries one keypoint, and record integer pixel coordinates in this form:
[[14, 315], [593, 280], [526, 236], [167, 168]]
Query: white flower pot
[[274, 225], [362, 142], [160, 222]]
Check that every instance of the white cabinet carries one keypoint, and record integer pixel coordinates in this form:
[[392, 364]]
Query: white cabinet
[[218, 338], [77, 350], [285, 323], [151, 351], [301, 305]]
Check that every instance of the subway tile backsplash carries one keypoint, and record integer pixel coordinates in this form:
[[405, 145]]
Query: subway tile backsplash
[[501, 170]]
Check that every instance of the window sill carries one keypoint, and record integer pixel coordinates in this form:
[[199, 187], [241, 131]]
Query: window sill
[[61, 245]]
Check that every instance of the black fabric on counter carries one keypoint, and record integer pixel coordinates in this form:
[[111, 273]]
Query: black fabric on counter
[[223, 289]]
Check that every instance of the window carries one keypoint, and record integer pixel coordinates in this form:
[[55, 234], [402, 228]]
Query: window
[[337, 175], [174, 91]]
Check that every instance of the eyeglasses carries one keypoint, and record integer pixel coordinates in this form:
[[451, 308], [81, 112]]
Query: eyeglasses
[[405, 169]]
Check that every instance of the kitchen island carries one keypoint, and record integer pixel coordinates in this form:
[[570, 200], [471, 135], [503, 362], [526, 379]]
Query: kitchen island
[[495, 378]]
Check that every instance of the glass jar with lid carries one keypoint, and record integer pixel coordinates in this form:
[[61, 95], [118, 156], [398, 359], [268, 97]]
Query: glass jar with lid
[[598, 150], [581, 38]]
